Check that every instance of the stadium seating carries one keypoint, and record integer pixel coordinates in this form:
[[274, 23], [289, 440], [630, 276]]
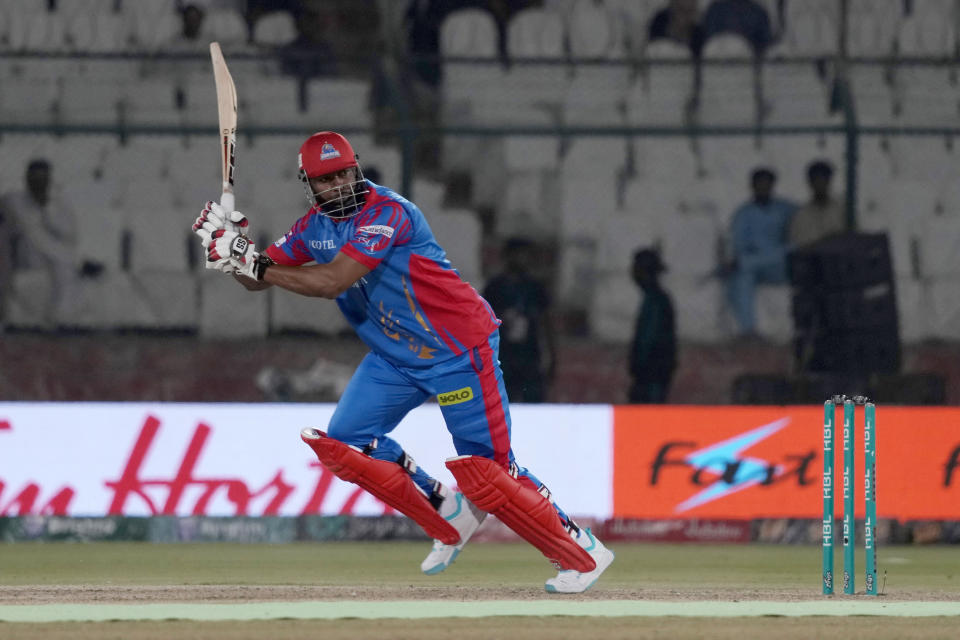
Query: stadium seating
[[600, 196]]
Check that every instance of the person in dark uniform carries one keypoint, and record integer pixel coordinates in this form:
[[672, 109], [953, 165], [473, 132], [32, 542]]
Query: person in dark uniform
[[526, 335], [653, 353]]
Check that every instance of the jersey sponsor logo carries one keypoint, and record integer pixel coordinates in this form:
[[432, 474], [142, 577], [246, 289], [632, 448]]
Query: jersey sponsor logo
[[455, 397], [373, 237], [380, 229], [323, 244], [328, 152]]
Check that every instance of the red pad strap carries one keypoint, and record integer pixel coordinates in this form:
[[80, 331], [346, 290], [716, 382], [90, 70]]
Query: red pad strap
[[386, 480], [491, 488]]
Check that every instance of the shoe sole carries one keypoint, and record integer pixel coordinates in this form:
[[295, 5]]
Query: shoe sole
[[439, 568], [552, 589]]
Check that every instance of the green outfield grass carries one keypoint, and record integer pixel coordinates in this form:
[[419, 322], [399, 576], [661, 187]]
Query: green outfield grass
[[664, 572], [930, 568]]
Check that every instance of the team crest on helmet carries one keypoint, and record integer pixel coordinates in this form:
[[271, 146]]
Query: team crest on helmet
[[328, 152]]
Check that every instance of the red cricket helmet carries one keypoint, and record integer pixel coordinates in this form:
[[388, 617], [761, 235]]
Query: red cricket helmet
[[325, 153]]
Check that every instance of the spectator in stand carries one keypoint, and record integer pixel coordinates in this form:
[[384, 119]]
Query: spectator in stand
[[759, 238], [190, 39], [423, 19], [823, 215], [678, 21], [745, 17], [527, 344], [653, 353], [43, 235], [309, 54]]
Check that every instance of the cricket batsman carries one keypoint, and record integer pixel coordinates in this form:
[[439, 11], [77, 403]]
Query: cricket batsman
[[430, 334]]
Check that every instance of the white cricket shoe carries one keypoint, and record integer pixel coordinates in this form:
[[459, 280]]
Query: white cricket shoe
[[571, 581], [466, 519]]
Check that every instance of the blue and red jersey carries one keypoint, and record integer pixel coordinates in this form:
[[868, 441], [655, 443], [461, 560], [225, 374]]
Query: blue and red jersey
[[412, 308]]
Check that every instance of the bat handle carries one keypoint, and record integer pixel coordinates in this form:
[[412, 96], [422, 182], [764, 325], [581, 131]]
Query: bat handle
[[227, 201]]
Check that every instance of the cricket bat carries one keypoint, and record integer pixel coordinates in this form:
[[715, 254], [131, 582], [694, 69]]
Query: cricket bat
[[227, 107]]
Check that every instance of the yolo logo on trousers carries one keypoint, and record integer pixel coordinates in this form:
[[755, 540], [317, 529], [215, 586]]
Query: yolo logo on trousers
[[455, 397]]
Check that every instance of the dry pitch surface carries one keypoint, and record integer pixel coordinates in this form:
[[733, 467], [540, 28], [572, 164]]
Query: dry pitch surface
[[380, 577]]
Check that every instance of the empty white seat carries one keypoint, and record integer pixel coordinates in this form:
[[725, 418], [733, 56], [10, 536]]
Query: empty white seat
[[275, 156], [523, 210], [274, 100], [795, 94], [812, 29], [159, 232], [469, 33], [668, 159], [904, 206], [928, 31], [943, 317], [227, 27], [924, 159], [248, 311], [926, 95], [699, 307], [872, 27], [44, 31], [616, 303], [621, 234], [12, 31], [585, 198], [531, 152], [152, 101], [26, 100], [660, 94], [90, 102], [873, 93], [650, 204], [274, 29], [595, 30], [343, 102], [772, 305], [111, 301], [940, 247], [292, 312], [535, 33], [690, 242], [912, 309], [596, 96], [153, 24], [386, 160], [458, 232], [277, 204], [728, 90], [169, 298]]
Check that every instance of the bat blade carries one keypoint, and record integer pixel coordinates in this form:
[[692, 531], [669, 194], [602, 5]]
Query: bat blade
[[227, 111]]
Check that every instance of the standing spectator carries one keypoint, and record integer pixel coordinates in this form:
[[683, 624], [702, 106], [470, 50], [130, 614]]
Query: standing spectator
[[527, 344], [823, 215], [44, 232], [653, 354], [744, 17], [678, 21], [759, 236]]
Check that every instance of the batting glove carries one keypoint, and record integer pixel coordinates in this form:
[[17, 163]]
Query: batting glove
[[232, 252], [214, 218]]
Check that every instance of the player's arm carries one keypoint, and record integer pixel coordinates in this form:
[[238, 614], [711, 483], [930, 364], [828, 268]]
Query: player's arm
[[318, 280]]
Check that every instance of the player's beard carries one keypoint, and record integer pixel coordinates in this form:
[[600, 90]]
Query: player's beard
[[343, 201]]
